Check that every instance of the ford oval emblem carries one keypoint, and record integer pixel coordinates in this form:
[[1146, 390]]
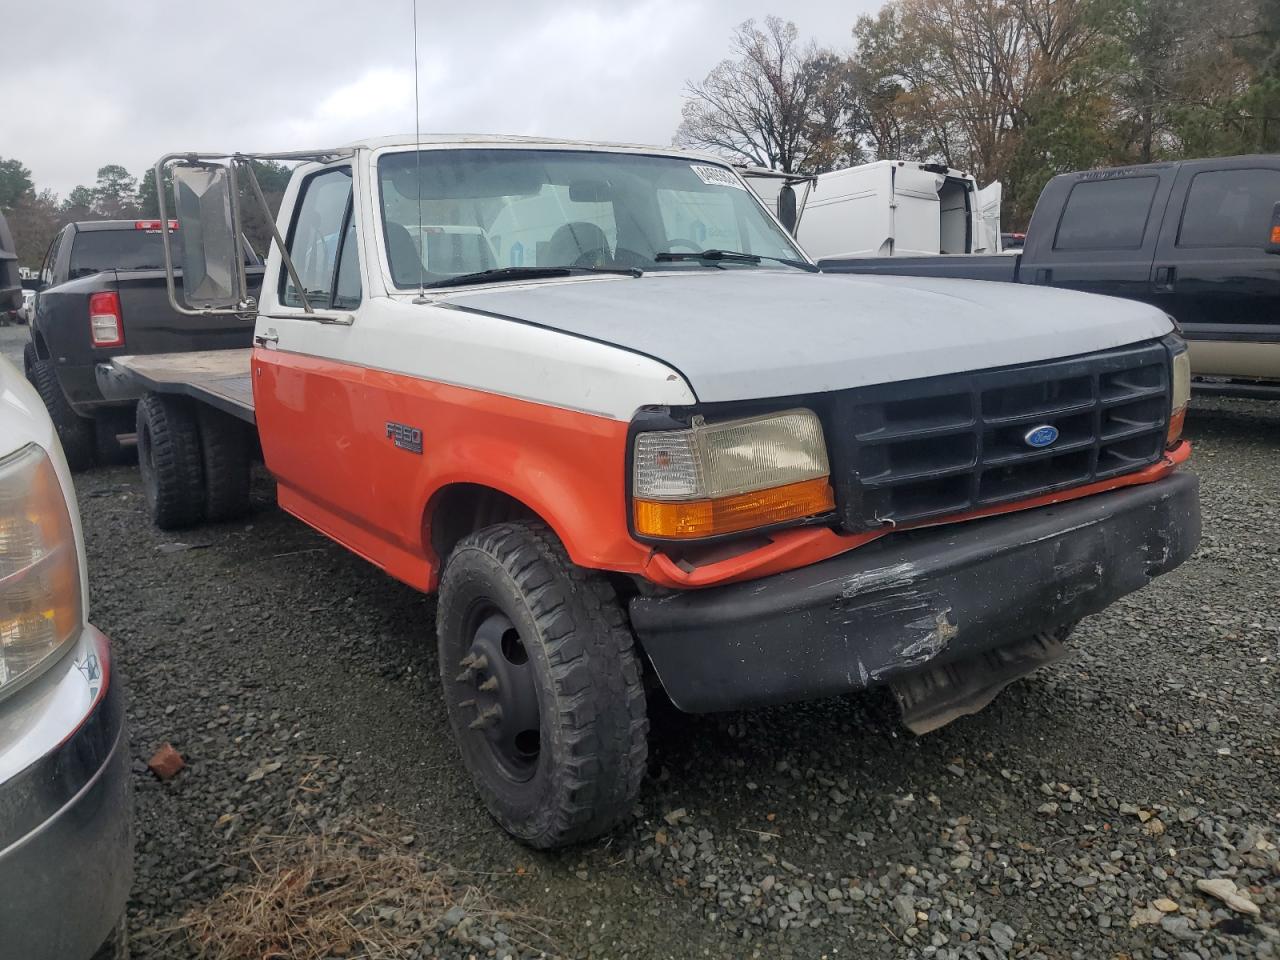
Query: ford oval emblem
[[1041, 436]]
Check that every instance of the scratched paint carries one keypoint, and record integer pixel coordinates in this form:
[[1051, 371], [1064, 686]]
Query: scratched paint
[[887, 578], [940, 633]]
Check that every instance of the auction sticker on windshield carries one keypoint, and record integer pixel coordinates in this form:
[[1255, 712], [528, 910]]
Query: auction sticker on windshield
[[716, 176]]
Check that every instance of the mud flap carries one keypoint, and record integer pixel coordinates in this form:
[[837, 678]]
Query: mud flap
[[933, 697]]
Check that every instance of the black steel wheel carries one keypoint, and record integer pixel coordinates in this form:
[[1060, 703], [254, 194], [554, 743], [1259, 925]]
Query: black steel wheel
[[542, 684], [505, 701]]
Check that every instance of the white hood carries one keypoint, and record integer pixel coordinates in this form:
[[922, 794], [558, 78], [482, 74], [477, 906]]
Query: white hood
[[740, 334]]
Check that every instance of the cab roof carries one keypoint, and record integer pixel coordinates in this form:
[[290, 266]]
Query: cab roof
[[494, 139]]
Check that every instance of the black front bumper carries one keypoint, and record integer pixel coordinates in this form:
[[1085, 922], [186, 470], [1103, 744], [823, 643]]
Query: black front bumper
[[914, 599]]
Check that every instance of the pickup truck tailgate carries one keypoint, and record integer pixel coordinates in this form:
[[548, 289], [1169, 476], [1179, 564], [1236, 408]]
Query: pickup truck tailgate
[[153, 326]]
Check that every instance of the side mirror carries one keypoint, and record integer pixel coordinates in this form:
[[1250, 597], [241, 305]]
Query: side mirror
[[787, 208], [1273, 241], [211, 258]]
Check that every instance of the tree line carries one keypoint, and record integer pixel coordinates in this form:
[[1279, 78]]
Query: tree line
[[36, 215], [1009, 90]]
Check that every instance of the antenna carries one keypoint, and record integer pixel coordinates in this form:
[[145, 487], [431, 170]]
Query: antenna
[[417, 154]]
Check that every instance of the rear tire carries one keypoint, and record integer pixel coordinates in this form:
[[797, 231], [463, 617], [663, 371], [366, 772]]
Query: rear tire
[[519, 620], [75, 432], [170, 462], [225, 451]]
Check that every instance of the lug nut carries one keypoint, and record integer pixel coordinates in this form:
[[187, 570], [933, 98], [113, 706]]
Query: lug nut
[[471, 665], [487, 719], [468, 665]]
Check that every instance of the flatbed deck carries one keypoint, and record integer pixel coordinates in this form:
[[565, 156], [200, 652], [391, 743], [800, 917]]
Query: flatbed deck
[[220, 378]]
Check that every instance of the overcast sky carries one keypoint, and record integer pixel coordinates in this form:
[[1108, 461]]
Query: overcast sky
[[88, 82]]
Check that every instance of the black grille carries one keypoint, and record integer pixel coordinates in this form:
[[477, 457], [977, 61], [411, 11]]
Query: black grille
[[909, 451]]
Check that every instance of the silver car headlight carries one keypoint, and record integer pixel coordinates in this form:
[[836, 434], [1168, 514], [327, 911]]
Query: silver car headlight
[[41, 607]]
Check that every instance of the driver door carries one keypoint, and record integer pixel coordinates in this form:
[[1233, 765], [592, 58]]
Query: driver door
[[306, 396]]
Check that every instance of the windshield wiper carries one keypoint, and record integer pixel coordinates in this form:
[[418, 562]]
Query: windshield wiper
[[732, 256], [527, 273]]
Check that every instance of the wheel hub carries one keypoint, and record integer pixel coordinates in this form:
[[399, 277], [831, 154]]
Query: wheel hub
[[503, 699]]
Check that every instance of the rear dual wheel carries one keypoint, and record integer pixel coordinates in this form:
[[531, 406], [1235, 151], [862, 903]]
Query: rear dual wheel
[[542, 685], [194, 462]]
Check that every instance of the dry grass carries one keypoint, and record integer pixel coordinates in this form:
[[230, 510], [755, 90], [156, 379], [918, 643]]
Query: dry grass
[[352, 893]]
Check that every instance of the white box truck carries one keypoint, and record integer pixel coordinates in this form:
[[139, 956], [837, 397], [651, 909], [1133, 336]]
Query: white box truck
[[888, 208]]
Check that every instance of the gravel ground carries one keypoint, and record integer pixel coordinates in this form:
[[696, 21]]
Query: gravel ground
[[1075, 817]]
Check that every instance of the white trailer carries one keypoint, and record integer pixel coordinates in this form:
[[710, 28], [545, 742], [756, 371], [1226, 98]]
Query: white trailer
[[890, 208]]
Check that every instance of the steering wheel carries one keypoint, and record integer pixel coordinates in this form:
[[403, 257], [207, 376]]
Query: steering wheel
[[622, 257], [592, 258], [693, 247]]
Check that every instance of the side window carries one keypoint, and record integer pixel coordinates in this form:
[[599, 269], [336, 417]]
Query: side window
[[50, 259], [315, 236], [346, 288], [1229, 208], [1106, 214]]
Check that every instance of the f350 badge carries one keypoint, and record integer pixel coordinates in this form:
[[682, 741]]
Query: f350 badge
[[405, 437]]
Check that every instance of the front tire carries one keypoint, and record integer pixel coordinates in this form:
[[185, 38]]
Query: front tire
[[76, 433], [542, 685]]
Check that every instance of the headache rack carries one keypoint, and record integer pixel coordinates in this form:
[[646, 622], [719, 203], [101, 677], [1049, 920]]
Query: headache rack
[[907, 452]]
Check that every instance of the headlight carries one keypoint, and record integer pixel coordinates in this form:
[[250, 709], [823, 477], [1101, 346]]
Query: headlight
[[727, 477], [1180, 388], [40, 609]]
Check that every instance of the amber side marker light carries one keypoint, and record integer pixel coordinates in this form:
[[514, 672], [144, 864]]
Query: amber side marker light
[[681, 520], [1179, 396]]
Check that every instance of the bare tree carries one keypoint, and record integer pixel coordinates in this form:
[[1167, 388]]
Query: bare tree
[[771, 103]]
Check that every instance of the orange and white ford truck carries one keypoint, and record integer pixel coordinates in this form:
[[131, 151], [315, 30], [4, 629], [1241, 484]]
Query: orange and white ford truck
[[595, 397]]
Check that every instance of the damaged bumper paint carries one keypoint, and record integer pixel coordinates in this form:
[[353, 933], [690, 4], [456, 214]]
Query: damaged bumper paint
[[915, 600]]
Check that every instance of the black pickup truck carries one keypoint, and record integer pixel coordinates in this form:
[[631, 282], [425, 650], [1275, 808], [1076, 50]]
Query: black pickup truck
[[1193, 237], [10, 286], [103, 293]]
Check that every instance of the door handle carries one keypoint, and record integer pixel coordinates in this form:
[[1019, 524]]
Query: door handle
[[1165, 277], [262, 339]]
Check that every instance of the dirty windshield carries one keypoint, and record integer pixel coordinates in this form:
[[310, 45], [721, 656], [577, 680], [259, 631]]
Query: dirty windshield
[[496, 208]]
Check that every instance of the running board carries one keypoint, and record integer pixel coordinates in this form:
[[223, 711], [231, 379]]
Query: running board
[[933, 697]]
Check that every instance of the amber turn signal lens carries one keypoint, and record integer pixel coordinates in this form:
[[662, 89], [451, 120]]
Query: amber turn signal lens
[[1180, 396], [689, 519], [1176, 422]]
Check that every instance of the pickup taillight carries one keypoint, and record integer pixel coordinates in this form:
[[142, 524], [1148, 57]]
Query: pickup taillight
[[106, 326]]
